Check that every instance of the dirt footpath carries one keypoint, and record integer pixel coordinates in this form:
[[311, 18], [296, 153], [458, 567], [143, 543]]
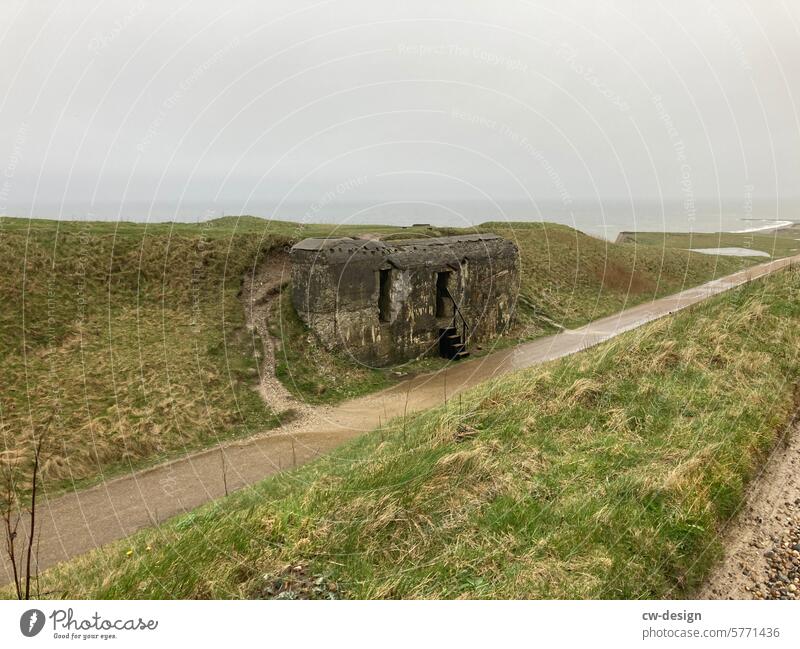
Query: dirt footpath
[[260, 291], [763, 541]]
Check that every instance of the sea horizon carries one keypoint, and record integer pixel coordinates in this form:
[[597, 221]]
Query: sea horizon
[[604, 219]]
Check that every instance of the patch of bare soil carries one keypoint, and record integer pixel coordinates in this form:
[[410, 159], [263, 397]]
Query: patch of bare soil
[[295, 582], [763, 542], [259, 291]]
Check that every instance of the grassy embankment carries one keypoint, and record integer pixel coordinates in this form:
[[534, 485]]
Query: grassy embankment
[[568, 278], [605, 474], [127, 340]]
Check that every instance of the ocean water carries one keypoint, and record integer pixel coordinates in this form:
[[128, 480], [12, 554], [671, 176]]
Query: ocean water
[[601, 219]]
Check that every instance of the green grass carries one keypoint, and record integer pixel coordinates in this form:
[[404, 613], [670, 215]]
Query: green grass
[[129, 337], [780, 243], [128, 340], [574, 278], [308, 370], [602, 475]]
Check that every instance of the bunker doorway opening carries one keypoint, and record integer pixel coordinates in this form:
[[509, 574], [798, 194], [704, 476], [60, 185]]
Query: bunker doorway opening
[[444, 301], [384, 295]]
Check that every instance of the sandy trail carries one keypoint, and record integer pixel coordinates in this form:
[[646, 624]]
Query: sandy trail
[[760, 562], [78, 522], [260, 290]]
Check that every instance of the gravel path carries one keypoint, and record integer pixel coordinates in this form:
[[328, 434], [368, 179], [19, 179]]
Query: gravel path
[[260, 289], [763, 541]]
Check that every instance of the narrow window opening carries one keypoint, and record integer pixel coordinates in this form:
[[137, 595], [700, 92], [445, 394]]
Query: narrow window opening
[[384, 300]]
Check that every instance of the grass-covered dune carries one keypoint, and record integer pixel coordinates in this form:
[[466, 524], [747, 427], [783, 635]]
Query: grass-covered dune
[[574, 278], [605, 474], [126, 343], [783, 242]]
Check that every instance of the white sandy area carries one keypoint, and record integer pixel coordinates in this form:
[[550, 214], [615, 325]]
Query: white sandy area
[[763, 228], [731, 252]]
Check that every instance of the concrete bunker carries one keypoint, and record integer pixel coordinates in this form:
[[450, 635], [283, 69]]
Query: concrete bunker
[[384, 302]]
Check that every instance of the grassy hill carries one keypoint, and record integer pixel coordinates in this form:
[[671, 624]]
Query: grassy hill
[[779, 243], [574, 278], [127, 341], [605, 474]]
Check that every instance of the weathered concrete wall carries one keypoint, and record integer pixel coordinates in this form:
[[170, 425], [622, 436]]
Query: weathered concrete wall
[[336, 291]]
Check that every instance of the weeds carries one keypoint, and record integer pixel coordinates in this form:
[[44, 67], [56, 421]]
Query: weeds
[[20, 473]]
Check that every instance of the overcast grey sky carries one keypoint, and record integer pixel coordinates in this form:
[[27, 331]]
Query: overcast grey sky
[[289, 101]]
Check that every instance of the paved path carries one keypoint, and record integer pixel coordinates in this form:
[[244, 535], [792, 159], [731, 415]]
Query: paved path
[[78, 522]]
